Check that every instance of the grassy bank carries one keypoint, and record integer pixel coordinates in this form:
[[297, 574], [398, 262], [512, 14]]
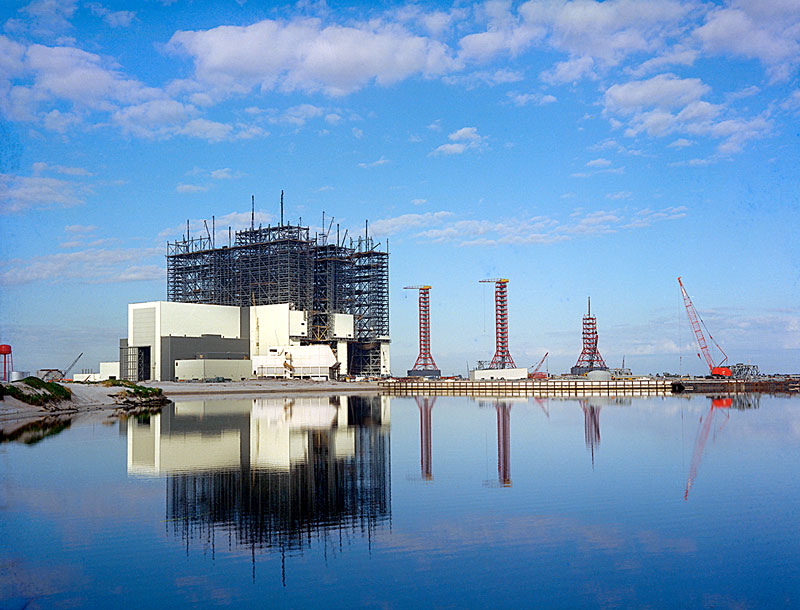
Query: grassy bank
[[34, 391]]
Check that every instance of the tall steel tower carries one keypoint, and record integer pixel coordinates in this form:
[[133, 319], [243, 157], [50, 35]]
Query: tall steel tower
[[590, 359], [424, 366], [502, 358]]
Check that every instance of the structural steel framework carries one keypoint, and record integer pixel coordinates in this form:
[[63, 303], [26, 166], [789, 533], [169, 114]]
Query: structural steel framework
[[590, 358], [285, 264], [502, 358], [424, 360]]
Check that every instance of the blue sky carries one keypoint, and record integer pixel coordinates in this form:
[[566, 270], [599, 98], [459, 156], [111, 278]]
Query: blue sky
[[576, 148]]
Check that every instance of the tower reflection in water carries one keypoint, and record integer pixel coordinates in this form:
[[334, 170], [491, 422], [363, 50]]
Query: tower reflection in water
[[273, 474]]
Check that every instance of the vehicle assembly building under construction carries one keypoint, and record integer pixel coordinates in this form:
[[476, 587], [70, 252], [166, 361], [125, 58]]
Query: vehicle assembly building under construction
[[276, 297]]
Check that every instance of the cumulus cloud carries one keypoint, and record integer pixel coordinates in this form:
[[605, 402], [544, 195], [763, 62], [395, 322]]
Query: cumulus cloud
[[115, 19], [666, 104], [303, 54], [766, 31], [462, 140]]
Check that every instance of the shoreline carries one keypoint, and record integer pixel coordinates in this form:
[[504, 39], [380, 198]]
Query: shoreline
[[95, 399]]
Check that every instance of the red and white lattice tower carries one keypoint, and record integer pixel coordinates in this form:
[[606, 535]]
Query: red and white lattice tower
[[424, 363], [590, 359], [502, 358]]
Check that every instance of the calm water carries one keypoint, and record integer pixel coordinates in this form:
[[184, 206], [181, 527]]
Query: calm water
[[403, 503]]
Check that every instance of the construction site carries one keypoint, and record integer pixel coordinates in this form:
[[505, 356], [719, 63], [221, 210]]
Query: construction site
[[283, 301], [274, 301], [590, 375]]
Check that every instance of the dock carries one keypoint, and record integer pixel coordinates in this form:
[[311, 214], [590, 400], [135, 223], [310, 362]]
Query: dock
[[539, 387], [640, 386]]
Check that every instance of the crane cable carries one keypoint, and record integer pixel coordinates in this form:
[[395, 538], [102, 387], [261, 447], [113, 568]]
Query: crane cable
[[714, 341]]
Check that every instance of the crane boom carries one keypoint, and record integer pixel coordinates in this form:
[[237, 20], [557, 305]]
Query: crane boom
[[701, 339], [541, 362], [69, 368]]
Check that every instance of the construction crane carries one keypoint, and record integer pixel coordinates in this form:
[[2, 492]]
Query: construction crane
[[717, 370], [702, 438], [70, 367], [536, 374], [55, 374]]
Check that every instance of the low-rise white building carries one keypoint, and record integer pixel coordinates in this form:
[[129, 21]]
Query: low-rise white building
[[180, 341]]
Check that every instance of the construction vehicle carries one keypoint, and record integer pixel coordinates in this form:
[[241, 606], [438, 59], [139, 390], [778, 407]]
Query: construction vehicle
[[536, 374], [57, 375], [717, 370]]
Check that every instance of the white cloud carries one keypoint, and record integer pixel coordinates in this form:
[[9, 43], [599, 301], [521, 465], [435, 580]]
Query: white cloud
[[680, 143], [474, 79], [666, 104], [20, 193], [357, 133], [91, 265], [298, 115], [662, 91], [190, 188], [538, 99], [444, 227], [767, 31], [619, 195], [378, 163], [306, 55], [398, 224], [461, 140], [115, 19], [206, 130], [418, 201], [80, 229], [40, 167], [598, 163], [50, 16], [679, 56], [225, 173], [569, 71]]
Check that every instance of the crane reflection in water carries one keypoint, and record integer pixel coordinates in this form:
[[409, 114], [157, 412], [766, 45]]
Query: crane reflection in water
[[269, 474]]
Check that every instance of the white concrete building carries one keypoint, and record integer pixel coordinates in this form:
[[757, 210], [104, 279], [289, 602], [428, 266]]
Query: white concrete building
[[166, 338]]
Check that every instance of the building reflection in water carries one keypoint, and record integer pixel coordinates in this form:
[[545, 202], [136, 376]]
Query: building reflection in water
[[591, 424], [425, 404], [271, 474], [503, 408]]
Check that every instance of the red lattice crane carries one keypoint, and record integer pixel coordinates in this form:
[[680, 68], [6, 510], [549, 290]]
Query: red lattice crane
[[716, 369], [425, 365], [502, 358], [536, 374]]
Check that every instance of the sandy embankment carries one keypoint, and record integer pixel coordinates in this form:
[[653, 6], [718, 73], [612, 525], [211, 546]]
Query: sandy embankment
[[99, 401]]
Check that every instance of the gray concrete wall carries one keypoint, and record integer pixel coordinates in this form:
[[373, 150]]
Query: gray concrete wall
[[189, 348]]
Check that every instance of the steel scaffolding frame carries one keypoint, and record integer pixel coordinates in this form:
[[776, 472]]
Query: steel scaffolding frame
[[590, 358], [284, 264]]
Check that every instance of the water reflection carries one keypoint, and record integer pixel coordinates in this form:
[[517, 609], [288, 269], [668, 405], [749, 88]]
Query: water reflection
[[425, 404], [270, 473]]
